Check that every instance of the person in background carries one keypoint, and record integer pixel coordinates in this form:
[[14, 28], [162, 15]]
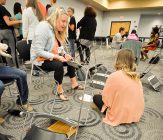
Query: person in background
[[47, 8], [47, 51], [53, 7], [156, 29], [87, 26], [117, 39], [122, 97], [7, 34], [133, 36], [125, 36], [18, 16], [152, 45], [42, 9], [71, 31], [31, 17]]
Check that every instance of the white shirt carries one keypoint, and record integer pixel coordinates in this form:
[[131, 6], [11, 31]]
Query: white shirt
[[29, 23], [116, 40]]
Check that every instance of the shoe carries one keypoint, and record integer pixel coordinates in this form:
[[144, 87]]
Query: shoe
[[62, 96], [78, 87], [26, 107], [1, 120], [27, 63]]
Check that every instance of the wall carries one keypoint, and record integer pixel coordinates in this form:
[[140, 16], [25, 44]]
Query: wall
[[147, 22], [143, 23], [132, 16], [78, 6]]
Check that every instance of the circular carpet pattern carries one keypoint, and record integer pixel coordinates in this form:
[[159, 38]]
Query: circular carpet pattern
[[150, 113], [154, 134], [122, 132], [88, 136], [91, 119], [60, 107], [38, 99], [12, 122], [7, 104]]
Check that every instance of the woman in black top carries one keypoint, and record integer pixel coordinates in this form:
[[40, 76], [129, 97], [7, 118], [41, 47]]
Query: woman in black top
[[7, 34], [87, 26]]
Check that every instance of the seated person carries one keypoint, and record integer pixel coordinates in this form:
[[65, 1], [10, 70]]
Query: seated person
[[46, 49], [117, 39], [152, 45], [20, 76], [133, 36], [122, 97]]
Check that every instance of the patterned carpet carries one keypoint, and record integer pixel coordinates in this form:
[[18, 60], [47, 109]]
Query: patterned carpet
[[150, 126]]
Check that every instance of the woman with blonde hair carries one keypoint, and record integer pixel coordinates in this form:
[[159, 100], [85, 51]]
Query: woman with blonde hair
[[122, 97], [47, 52]]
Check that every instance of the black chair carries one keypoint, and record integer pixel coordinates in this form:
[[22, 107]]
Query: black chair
[[24, 50], [37, 133]]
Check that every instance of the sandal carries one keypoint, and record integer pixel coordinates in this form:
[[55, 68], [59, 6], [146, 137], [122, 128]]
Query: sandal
[[78, 87], [62, 96]]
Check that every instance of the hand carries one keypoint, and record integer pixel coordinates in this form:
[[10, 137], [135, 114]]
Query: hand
[[62, 59], [5, 54], [68, 57], [103, 108]]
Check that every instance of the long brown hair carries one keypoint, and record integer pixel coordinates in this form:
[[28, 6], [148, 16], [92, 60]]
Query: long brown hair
[[125, 61], [52, 19], [90, 12], [34, 5]]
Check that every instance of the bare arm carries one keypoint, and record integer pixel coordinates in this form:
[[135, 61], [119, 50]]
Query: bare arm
[[10, 22], [72, 27]]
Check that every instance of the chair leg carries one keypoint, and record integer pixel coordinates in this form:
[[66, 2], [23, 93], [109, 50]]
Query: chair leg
[[31, 75]]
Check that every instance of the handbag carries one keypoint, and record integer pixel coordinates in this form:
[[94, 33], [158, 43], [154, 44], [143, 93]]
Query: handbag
[[154, 60], [81, 75]]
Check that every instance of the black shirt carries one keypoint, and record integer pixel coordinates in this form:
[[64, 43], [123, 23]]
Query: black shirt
[[87, 27], [4, 12], [72, 34]]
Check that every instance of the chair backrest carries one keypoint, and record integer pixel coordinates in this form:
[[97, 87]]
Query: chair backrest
[[23, 49], [36, 133], [135, 46]]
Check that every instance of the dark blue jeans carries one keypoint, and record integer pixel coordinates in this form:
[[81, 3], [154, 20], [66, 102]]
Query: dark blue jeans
[[21, 80], [1, 89]]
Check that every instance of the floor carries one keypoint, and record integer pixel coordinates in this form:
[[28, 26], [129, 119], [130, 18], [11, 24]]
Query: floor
[[150, 126]]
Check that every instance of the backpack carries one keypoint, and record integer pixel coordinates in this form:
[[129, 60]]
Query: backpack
[[154, 60]]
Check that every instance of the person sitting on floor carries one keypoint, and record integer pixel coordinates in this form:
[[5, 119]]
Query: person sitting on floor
[[122, 97], [152, 45], [47, 52]]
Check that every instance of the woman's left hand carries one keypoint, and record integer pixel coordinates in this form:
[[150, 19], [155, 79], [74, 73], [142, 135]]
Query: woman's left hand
[[68, 57], [103, 108]]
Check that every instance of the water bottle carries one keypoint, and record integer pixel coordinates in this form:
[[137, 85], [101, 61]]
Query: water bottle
[[16, 112]]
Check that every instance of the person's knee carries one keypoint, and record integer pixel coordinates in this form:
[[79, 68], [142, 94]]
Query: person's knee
[[59, 67], [22, 73]]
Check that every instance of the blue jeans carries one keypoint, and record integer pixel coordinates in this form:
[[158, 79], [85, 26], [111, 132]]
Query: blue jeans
[[21, 80], [72, 47]]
